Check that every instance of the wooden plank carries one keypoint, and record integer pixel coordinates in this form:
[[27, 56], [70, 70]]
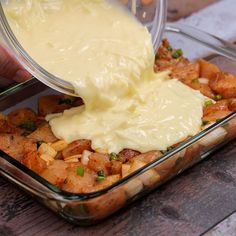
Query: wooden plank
[[226, 227], [183, 8]]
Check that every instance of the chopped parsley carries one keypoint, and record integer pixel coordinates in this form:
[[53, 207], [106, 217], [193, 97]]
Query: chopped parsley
[[177, 54], [29, 125], [218, 97], [101, 176], [80, 171], [196, 80], [208, 103], [205, 122], [113, 156]]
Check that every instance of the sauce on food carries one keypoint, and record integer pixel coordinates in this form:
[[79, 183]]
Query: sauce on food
[[107, 55]]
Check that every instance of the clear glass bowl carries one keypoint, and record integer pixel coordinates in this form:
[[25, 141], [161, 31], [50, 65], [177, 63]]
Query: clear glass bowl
[[152, 15]]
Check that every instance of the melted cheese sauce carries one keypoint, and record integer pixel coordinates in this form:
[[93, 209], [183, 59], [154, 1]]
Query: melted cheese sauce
[[108, 57]]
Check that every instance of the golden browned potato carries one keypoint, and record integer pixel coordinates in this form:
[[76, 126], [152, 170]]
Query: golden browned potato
[[186, 73], [16, 145], [80, 179], [224, 84], [99, 162], [23, 118], [103, 206], [77, 147], [56, 103], [126, 154], [56, 173], [34, 162], [216, 111], [43, 133], [207, 69]]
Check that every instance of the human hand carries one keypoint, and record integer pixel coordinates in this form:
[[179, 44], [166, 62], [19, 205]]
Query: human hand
[[10, 68]]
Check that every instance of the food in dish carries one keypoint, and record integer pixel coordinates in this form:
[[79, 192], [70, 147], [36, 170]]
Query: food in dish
[[76, 167], [108, 57]]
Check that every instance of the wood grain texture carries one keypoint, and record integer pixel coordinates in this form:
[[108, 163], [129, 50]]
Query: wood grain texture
[[183, 8], [226, 227], [190, 204]]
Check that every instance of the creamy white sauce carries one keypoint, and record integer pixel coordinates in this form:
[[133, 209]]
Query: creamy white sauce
[[108, 57]]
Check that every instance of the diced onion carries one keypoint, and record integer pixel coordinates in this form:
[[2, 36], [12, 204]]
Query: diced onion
[[85, 157], [203, 81]]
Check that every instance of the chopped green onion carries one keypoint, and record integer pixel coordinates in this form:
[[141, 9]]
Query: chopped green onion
[[208, 103], [169, 48], [196, 80], [66, 101], [113, 156], [101, 173], [205, 122], [80, 171], [218, 97], [178, 53], [29, 125], [100, 178], [167, 150]]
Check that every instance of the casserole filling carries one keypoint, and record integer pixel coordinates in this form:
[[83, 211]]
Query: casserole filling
[[77, 167], [108, 57]]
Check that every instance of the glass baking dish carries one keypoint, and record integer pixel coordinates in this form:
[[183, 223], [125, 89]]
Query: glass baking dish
[[90, 208]]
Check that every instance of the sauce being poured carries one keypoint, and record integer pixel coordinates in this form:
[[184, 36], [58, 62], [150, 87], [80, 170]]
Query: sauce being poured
[[107, 55]]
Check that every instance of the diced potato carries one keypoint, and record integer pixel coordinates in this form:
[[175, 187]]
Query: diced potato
[[113, 178], [149, 177], [133, 187], [47, 158], [59, 145], [47, 149], [213, 138], [136, 165], [125, 170]]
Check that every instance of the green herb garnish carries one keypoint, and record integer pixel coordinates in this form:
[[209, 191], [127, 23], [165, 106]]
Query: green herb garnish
[[80, 171], [205, 122], [178, 53], [29, 125], [113, 156], [218, 97], [196, 80], [208, 103], [169, 48], [167, 150], [101, 176], [66, 101], [218, 120]]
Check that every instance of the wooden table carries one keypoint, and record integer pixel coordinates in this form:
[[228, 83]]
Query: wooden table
[[201, 200]]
